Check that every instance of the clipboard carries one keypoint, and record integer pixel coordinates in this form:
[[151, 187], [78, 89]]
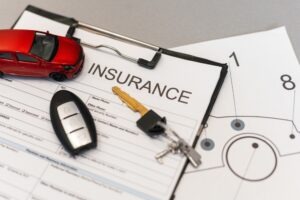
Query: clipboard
[[147, 64], [74, 24]]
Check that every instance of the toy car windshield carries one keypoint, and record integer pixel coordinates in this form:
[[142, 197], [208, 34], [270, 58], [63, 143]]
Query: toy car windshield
[[44, 46]]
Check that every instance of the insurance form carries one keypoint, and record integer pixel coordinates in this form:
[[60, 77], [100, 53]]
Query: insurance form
[[33, 164]]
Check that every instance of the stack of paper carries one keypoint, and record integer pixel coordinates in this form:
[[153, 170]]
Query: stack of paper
[[33, 164]]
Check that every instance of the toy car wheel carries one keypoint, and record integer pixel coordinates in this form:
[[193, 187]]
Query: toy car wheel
[[58, 76], [1, 74]]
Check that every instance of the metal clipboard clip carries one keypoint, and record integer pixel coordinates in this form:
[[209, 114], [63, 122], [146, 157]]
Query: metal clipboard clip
[[140, 61]]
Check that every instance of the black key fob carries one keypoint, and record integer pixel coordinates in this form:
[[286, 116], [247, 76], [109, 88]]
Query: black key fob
[[72, 122]]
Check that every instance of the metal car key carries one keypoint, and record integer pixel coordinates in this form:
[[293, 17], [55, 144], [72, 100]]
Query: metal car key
[[154, 125], [181, 147], [72, 122]]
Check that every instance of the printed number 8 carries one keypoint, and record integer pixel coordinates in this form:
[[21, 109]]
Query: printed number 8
[[288, 84]]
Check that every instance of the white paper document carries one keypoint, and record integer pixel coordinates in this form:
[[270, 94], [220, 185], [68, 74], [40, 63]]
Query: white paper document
[[251, 144], [33, 164]]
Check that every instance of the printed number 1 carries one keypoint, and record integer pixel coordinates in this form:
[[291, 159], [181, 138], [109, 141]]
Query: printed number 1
[[235, 58]]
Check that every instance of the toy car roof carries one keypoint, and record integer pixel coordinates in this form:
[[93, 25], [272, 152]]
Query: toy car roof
[[16, 40]]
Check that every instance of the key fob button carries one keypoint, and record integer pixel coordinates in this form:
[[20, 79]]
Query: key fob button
[[79, 138], [67, 109], [72, 122]]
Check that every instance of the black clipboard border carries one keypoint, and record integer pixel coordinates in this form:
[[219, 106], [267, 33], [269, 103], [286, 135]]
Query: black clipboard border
[[72, 22]]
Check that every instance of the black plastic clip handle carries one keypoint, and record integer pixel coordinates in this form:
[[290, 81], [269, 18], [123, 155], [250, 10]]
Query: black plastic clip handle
[[140, 61], [71, 30], [150, 64]]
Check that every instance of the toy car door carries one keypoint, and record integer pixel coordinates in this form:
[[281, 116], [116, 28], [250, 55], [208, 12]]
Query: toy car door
[[7, 63], [29, 65]]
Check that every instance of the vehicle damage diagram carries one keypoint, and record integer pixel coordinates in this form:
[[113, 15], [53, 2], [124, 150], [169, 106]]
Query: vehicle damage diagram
[[250, 146]]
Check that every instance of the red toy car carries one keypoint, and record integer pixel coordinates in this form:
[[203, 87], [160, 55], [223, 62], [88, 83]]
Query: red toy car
[[39, 54]]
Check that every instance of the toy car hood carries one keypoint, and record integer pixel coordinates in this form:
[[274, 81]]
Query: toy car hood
[[68, 51]]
